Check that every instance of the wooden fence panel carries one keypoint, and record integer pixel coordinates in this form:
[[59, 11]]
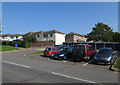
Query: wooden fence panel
[[42, 44]]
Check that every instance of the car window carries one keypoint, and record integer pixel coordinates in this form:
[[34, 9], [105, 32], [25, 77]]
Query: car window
[[71, 48], [105, 51], [78, 48], [57, 48], [90, 48], [75, 49], [53, 49], [82, 48], [47, 49]]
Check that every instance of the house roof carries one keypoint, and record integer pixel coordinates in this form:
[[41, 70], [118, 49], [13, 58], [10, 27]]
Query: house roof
[[12, 35], [72, 33], [29, 33], [53, 31], [40, 32]]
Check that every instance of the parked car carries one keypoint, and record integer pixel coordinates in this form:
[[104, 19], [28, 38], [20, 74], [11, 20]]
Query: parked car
[[83, 51], [104, 56], [71, 45], [50, 51], [63, 53]]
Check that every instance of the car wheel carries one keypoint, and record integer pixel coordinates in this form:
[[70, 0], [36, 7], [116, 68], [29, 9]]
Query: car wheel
[[93, 61], [65, 57], [51, 58], [52, 55]]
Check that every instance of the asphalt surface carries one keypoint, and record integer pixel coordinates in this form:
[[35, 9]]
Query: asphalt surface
[[18, 68]]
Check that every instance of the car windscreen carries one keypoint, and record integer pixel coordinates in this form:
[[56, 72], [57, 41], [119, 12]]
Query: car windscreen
[[47, 49], [71, 48], [60, 47], [64, 49], [55, 45], [79, 48], [105, 51]]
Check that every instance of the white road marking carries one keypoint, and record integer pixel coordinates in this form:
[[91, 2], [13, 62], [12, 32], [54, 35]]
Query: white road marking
[[64, 61], [87, 63], [16, 64], [72, 77]]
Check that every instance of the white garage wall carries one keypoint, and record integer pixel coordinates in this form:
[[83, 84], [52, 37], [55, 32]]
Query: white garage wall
[[59, 38]]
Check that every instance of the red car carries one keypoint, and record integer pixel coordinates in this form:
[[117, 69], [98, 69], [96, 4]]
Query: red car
[[50, 51], [83, 51]]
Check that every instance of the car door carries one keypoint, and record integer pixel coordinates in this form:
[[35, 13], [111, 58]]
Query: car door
[[53, 51], [57, 49], [90, 51]]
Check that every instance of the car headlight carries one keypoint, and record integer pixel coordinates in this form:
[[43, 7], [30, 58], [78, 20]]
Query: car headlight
[[95, 57], [61, 55], [108, 58]]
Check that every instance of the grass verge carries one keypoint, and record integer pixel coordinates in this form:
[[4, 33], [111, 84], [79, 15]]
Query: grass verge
[[7, 48], [117, 64], [34, 53]]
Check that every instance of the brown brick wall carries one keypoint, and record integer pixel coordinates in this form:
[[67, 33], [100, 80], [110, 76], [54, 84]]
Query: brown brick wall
[[69, 38], [42, 44]]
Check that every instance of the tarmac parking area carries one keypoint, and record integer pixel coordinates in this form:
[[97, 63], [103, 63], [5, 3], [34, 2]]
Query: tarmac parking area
[[63, 70]]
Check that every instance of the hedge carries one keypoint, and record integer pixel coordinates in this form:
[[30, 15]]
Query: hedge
[[20, 43]]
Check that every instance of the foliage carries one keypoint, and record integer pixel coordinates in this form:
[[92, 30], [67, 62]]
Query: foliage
[[0, 28], [27, 45], [31, 38], [116, 37], [20, 43], [117, 64], [101, 32]]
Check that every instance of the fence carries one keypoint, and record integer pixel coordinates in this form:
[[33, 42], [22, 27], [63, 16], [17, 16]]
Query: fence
[[42, 44], [97, 45]]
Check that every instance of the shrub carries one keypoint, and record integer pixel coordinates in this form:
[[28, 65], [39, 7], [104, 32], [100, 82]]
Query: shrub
[[20, 43], [5, 42], [11, 43], [31, 38], [27, 45]]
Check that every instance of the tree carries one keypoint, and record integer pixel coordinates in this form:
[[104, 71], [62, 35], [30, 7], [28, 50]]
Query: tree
[[31, 38], [101, 32], [116, 37], [0, 28]]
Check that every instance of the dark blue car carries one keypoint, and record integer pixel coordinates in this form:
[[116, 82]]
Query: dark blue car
[[63, 53], [104, 56]]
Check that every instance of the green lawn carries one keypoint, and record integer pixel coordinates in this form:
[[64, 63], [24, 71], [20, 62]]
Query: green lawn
[[117, 64], [34, 53], [7, 48]]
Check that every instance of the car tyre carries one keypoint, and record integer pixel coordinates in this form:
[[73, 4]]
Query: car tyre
[[65, 57], [52, 55]]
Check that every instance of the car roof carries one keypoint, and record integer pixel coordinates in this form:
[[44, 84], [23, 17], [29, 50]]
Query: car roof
[[106, 48], [52, 47], [83, 45], [66, 47]]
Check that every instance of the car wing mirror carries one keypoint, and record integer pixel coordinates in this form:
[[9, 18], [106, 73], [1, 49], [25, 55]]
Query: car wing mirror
[[96, 52]]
